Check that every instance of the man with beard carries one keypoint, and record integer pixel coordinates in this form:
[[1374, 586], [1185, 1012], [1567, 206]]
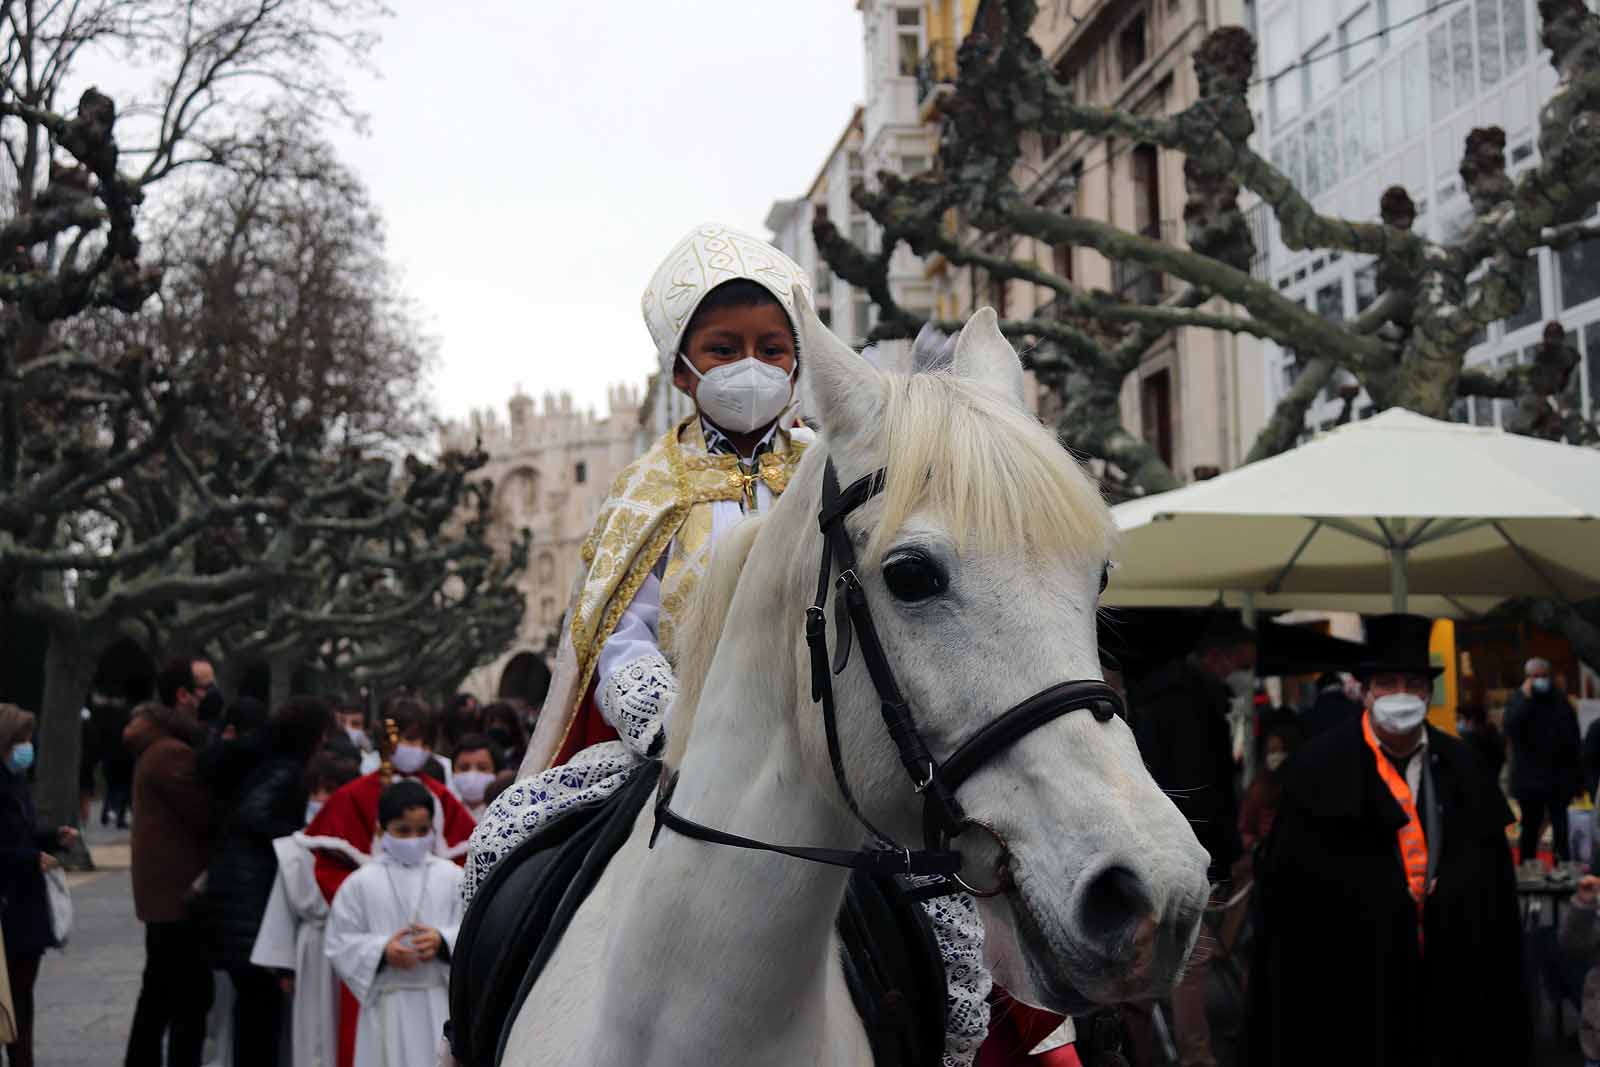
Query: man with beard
[[1386, 927]]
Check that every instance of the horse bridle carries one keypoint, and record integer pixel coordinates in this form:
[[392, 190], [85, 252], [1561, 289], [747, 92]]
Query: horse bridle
[[936, 782]]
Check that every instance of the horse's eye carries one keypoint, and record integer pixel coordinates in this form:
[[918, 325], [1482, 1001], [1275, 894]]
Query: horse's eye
[[913, 577]]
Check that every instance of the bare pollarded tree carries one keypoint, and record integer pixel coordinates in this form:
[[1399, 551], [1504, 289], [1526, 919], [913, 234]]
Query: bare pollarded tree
[[109, 470], [1408, 348]]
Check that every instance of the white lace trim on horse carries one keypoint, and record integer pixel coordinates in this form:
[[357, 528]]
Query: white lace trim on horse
[[635, 701], [959, 932], [533, 803]]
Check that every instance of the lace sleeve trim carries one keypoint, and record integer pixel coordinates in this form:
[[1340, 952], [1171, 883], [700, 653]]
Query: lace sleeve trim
[[635, 700]]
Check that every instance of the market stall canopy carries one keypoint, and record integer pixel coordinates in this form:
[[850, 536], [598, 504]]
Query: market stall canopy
[[1397, 513]]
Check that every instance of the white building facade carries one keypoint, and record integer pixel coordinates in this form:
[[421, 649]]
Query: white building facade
[[1364, 94]]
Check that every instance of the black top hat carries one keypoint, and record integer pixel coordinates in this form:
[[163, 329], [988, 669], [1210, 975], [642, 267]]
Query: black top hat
[[1398, 644]]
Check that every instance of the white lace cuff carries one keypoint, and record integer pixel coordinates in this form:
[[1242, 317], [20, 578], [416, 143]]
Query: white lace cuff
[[635, 701]]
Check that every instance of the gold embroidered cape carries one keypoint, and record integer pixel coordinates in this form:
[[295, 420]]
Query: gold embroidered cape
[[665, 494]]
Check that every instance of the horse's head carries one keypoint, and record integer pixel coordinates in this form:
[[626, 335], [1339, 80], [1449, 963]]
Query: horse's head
[[982, 562]]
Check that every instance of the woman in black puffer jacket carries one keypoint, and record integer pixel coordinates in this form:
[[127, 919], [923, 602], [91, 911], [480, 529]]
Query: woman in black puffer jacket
[[270, 802]]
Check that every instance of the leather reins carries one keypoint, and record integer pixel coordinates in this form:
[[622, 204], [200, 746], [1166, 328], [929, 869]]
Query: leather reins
[[944, 820]]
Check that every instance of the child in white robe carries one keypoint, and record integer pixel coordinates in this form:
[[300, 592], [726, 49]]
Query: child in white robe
[[293, 928], [390, 932]]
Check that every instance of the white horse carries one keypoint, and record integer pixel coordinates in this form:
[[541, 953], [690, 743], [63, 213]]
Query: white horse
[[994, 542]]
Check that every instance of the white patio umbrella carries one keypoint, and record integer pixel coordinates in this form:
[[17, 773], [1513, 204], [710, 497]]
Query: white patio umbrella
[[1397, 513]]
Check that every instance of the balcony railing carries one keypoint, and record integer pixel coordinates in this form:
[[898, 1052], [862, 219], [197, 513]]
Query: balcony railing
[[1140, 283], [936, 71]]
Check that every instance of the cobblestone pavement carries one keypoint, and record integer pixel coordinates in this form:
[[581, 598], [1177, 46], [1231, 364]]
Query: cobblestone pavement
[[84, 999]]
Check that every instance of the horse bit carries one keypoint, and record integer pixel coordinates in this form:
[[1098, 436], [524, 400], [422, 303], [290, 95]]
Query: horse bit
[[936, 782]]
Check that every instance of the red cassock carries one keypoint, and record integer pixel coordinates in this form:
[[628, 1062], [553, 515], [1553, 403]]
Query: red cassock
[[1015, 1030], [589, 727], [352, 813]]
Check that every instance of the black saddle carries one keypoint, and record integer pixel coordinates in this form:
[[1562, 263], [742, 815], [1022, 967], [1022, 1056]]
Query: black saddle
[[516, 919]]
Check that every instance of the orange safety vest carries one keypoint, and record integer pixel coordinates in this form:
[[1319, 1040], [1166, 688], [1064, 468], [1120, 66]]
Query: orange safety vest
[[1413, 844]]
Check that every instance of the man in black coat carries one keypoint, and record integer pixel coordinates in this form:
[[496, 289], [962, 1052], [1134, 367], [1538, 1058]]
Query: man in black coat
[[1342, 974], [1180, 717], [1546, 757], [1331, 708]]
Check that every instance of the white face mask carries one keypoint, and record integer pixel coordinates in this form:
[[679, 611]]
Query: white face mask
[[1241, 682], [407, 851], [408, 758], [1275, 760], [471, 785], [1399, 713], [357, 736], [743, 396], [312, 807]]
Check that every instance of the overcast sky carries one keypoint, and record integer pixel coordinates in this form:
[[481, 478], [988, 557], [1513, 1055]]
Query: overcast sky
[[535, 161]]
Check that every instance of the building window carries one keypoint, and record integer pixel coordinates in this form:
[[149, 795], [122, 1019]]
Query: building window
[[1366, 287], [1532, 303], [1461, 56], [1371, 120], [853, 164], [1155, 413], [1288, 97], [1580, 273], [1146, 167], [1439, 77], [1282, 43], [1403, 18], [1330, 301], [1415, 66], [1489, 42], [859, 234], [908, 40], [1351, 133], [1131, 46], [1315, 181], [858, 313], [547, 609], [911, 166], [547, 568], [997, 296], [1591, 364], [1322, 70], [1061, 259], [1358, 38], [580, 472], [1514, 32], [823, 281]]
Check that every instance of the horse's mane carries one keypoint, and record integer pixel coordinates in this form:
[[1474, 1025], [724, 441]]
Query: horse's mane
[[704, 618], [992, 472]]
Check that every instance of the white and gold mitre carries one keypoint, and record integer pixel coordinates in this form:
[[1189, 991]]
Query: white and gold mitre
[[707, 256]]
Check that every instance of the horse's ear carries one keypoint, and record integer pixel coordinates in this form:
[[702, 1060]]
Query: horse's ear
[[984, 355], [843, 391]]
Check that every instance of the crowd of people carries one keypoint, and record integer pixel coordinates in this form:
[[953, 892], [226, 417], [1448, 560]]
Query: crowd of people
[[305, 858], [1380, 879]]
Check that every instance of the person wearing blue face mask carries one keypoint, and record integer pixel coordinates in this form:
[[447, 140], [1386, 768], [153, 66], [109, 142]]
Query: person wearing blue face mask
[[26, 853], [1546, 757]]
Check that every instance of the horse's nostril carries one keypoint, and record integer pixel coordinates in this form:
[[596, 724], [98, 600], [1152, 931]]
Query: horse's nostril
[[1113, 904]]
